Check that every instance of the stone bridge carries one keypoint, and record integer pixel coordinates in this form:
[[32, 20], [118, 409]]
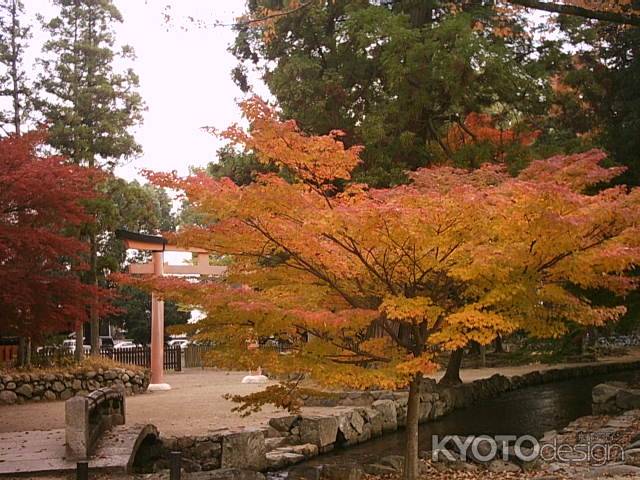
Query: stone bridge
[[94, 432]]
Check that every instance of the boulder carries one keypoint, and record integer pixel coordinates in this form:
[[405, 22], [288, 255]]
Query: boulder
[[511, 455], [462, 466], [8, 397], [359, 399], [321, 431], [284, 424], [388, 412], [613, 470], [341, 472], [632, 457], [308, 450], [500, 466], [604, 393], [244, 449], [66, 394], [49, 395], [207, 449], [270, 432], [633, 444], [227, 474], [279, 460], [350, 427], [25, 390], [304, 473], [628, 399], [374, 419], [401, 411], [378, 469], [393, 461], [185, 443], [275, 442], [58, 387], [425, 411], [604, 396], [439, 409]]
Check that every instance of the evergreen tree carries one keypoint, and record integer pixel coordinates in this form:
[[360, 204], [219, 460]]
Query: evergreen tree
[[135, 314], [394, 76], [14, 35], [90, 106]]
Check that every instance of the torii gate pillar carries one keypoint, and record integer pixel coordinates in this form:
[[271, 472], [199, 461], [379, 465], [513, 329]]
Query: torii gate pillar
[[157, 331]]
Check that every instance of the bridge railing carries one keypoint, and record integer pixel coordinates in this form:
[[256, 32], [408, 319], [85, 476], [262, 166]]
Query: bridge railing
[[88, 417]]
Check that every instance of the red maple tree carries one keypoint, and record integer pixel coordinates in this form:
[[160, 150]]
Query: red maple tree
[[41, 211]]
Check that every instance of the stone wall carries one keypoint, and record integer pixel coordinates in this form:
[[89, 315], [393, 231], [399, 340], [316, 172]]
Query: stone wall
[[61, 385], [357, 418]]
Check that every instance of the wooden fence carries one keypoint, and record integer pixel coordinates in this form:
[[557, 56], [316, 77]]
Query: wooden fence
[[195, 355], [8, 354], [140, 356]]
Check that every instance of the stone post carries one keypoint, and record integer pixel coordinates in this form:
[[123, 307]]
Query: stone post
[[77, 428]]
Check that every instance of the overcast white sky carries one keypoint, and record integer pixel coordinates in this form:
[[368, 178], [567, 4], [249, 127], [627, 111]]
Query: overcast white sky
[[185, 77]]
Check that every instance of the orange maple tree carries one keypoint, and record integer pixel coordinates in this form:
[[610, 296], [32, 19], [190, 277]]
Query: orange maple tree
[[483, 130], [367, 285]]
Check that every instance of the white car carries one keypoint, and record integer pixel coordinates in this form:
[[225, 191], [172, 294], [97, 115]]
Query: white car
[[70, 346], [179, 342], [126, 345]]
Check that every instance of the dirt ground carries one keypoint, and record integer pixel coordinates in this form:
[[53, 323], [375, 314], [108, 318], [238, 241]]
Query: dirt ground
[[195, 405]]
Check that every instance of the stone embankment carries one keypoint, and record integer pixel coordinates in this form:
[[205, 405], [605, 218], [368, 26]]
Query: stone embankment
[[62, 385], [357, 418]]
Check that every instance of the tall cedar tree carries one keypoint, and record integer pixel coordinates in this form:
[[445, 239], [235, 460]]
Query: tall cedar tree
[[90, 107], [14, 35], [40, 209], [381, 280], [394, 76]]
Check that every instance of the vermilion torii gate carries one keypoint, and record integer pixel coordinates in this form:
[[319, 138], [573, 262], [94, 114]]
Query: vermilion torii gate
[[158, 245]]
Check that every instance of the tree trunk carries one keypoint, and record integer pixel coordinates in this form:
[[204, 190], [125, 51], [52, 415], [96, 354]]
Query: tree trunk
[[22, 351], [452, 375], [499, 347], [483, 356], [27, 353], [94, 318], [15, 74], [411, 467], [79, 353]]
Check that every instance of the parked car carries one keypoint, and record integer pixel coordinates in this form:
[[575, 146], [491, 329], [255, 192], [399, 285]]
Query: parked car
[[125, 345], [106, 342], [70, 346], [178, 342]]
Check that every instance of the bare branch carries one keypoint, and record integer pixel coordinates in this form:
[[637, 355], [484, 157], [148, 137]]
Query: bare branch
[[564, 9]]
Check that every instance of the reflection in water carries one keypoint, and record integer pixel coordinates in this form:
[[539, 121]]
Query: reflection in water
[[530, 411]]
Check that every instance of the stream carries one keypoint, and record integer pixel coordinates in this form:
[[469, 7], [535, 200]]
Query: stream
[[530, 411]]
